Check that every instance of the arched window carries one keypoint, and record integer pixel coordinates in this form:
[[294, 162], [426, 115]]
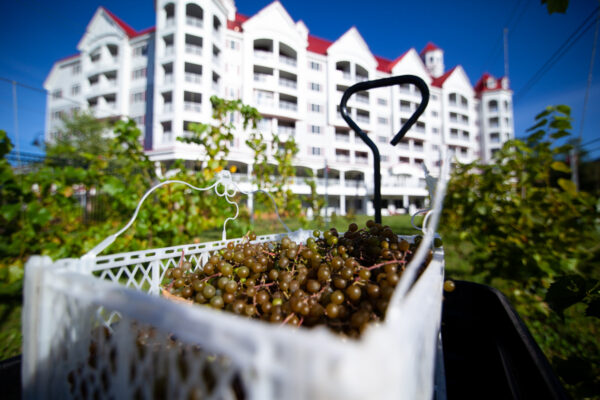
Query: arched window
[[492, 106], [169, 14], [194, 15]]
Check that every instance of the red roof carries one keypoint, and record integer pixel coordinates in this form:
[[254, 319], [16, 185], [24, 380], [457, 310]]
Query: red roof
[[318, 45], [429, 47], [482, 83], [73, 56], [127, 28], [439, 81], [236, 24]]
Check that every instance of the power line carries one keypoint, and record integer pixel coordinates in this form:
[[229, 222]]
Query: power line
[[557, 55], [499, 40], [590, 142], [45, 92]]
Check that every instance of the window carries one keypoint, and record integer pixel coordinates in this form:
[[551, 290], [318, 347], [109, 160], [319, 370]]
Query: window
[[138, 97], [382, 102], [57, 94], [382, 120], [314, 86], [316, 129], [75, 89], [434, 113], [76, 69], [435, 147], [381, 139], [57, 115], [140, 121], [233, 45], [434, 97], [140, 51], [315, 65], [139, 73], [314, 108], [384, 158], [495, 137], [315, 151], [435, 130]]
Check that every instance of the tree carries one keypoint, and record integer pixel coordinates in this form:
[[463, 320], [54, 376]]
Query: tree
[[528, 227]]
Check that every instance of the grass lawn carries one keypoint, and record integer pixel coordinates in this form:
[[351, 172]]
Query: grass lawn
[[10, 309]]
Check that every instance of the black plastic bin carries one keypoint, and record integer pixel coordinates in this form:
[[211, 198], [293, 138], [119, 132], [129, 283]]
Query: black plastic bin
[[488, 351]]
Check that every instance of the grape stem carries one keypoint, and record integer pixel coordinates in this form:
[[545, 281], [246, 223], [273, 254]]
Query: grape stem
[[384, 263], [287, 319], [210, 277], [181, 259]]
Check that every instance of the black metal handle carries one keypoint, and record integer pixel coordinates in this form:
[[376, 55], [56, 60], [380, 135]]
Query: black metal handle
[[361, 86]]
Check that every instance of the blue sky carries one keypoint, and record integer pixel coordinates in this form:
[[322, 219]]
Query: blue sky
[[35, 33]]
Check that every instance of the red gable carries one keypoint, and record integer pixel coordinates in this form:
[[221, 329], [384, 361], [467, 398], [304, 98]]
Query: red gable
[[318, 45], [429, 47], [236, 24], [482, 83], [126, 28], [439, 81]]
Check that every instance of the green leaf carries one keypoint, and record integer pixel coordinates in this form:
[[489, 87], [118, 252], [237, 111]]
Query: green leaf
[[556, 6], [544, 113], [566, 291], [593, 308], [559, 134], [564, 108], [560, 124], [560, 166], [15, 273], [538, 125], [567, 185]]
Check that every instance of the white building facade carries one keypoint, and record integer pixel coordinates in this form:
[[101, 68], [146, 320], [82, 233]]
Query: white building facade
[[163, 78]]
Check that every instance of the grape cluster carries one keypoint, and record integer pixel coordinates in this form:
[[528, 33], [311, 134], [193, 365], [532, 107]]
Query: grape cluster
[[341, 281]]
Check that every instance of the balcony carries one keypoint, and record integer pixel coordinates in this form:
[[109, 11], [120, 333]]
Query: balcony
[[215, 86], [264, 102], [216, 60], [362, 99], [361, 78], [192, 106], [168, 79], [342, 158], [193, 49], [168, 107], [288, 83], [362, 160], [169, 50], [363, 118], [265, 78], [263, 54], [288, 105], [354, 183], [287, 60], [193, 21], [286, 130], [193, 78], [170, 22], [342, 138]]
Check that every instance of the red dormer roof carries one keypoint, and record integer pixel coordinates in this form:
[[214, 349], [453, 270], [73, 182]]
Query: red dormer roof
[[439, 81], [318, 45], [236, 24], [429, 47], [482, 84], [127, 28]]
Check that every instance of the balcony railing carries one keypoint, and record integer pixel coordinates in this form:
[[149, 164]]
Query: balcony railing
[[264, 102], [354, 183], [169, 22], [342, 159], [287, 60], [287, 130], [168, 79], [363, 118], [216, 86], [288, 83], [216, 60], [193, 21], [258, 77], [361, 78], [362, 99], [192, 106], [193, 49], [288, 105], [264, 54], [168, 107], [169, 50], [193, 77], [362, 160], [342, 138]]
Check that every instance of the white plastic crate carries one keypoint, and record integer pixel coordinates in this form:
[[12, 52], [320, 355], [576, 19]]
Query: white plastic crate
[[96, 327]]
